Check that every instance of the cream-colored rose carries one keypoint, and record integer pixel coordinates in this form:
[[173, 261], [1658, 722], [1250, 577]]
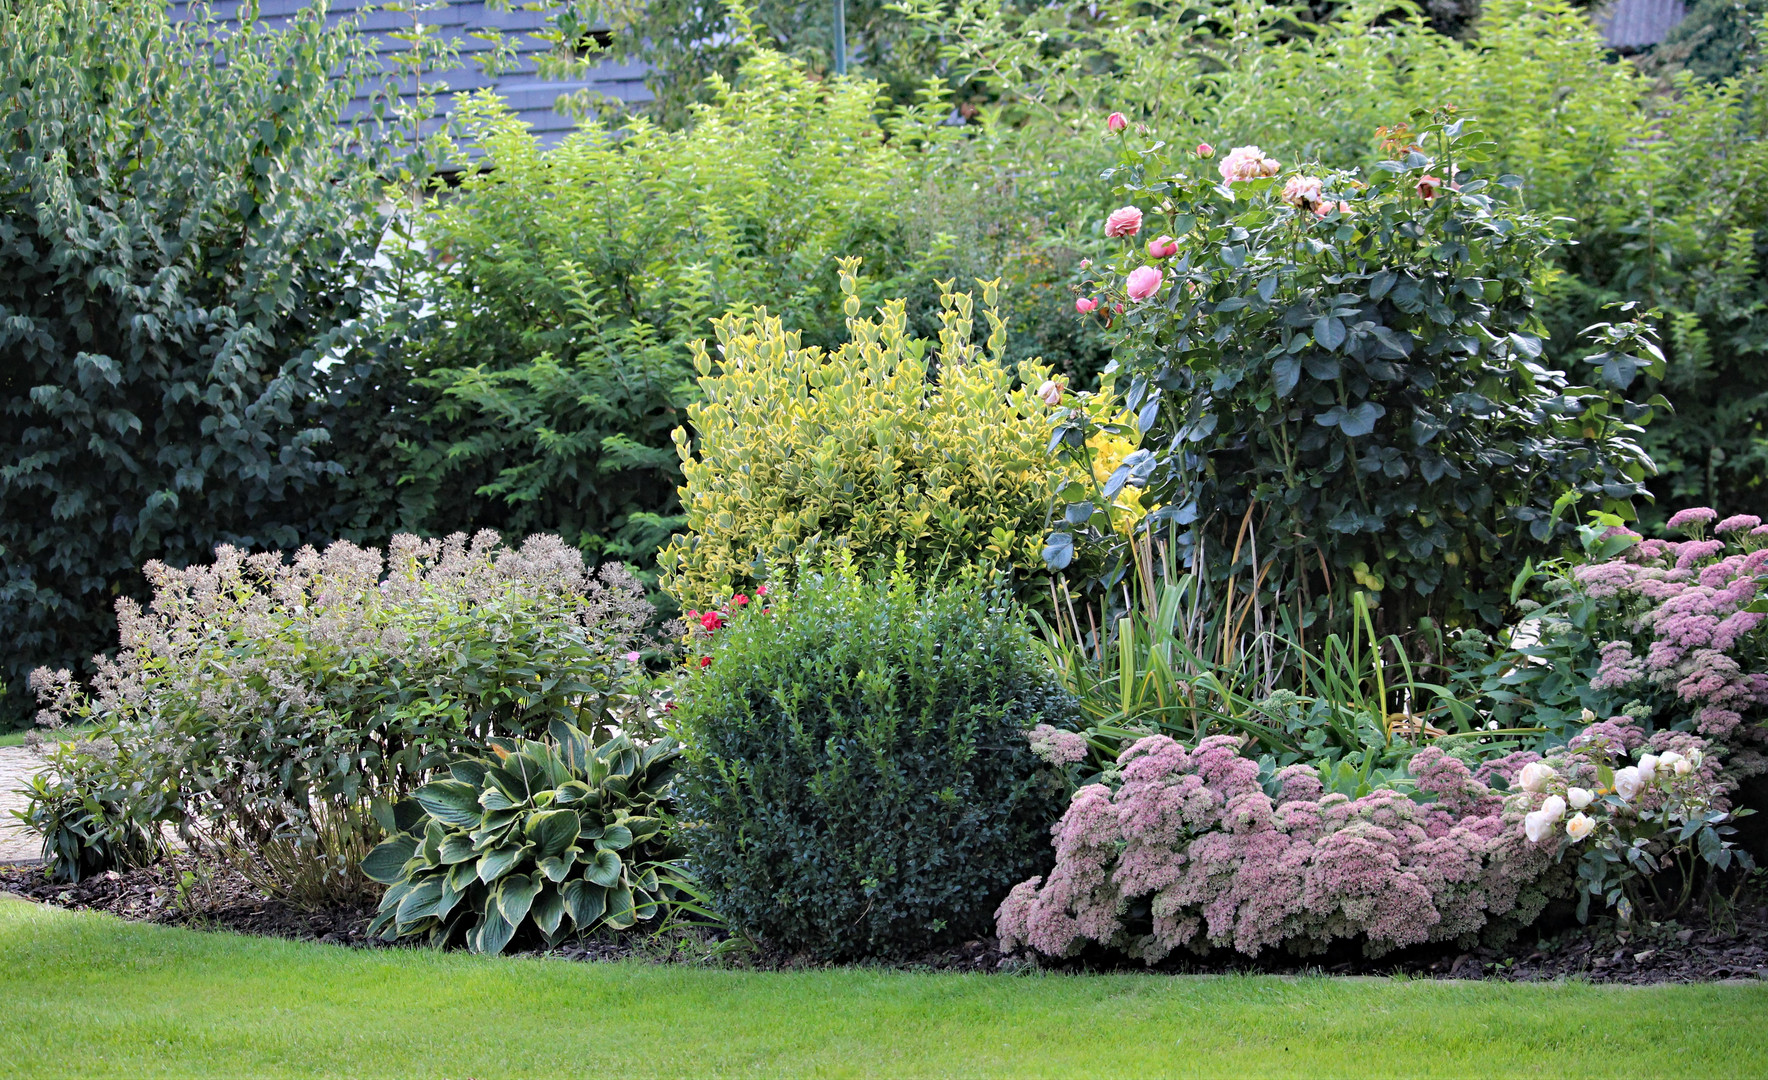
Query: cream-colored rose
[[1579, 797], [1554, 807], [1579, 826], [1648, 768], [1535, 775], [1588, 716], [1683, 767], [1628, 783], [1536, 827]]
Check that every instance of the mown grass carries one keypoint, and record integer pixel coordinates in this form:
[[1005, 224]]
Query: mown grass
[[17, 738], [91, 996]]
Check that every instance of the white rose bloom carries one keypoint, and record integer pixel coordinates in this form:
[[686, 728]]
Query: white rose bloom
[[1696, 757], [1554, 808], [1580, 797], [1536, 827], [1628, 782], [1647, 768], [1535, 775], [1579, 827], [1669, 757], [1588, 716], [1684, 767]]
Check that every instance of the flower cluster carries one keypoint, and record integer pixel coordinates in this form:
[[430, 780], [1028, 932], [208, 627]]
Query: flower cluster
[[714, 619], [1225, 859], [1624, 823], [1678, 622], [1246, 163]]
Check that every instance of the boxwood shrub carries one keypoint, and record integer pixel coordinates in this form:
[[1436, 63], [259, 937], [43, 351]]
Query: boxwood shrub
[[857, 779]]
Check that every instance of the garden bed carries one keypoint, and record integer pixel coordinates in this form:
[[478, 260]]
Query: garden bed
[[1692, 949]]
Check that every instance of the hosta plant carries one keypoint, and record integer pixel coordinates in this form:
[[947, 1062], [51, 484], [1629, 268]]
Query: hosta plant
[[556, 838]]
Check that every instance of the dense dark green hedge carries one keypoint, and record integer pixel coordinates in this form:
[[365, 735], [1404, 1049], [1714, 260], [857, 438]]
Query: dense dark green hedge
[[859, 781], [185, 235]]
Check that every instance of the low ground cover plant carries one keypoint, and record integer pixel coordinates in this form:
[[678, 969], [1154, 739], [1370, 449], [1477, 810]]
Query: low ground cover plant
[[267, 704], [858, 779], [1199, 848], [547, 839]]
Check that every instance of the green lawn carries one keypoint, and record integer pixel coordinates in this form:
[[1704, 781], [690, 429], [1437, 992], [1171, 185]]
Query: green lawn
[[89, 996], [17, 738]]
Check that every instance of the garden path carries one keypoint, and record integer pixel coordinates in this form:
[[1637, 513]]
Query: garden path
[[17, 766]]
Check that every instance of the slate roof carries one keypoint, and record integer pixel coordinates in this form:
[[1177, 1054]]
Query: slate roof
[[531, 97], [1631, 25]]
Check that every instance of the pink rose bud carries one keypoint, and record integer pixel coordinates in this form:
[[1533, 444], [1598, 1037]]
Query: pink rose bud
[[1164, 247], [1050, 393], [1124, 221], [1117, 308], [1086, 305], [1204, 150], [1116, 122], [1143, 282], [1085, 263], [1429, 185]]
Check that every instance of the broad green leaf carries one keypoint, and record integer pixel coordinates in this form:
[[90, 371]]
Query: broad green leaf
[[450, 801]]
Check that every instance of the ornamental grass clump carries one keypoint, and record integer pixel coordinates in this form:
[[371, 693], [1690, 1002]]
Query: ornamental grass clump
[[858, 779], [266, 705]]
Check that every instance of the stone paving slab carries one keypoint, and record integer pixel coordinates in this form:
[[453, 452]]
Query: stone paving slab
[[17, 766]]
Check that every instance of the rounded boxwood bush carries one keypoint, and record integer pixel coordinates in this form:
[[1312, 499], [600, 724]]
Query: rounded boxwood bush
[[858, 780]]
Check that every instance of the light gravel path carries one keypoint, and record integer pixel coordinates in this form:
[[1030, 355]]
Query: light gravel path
[[17, 766]]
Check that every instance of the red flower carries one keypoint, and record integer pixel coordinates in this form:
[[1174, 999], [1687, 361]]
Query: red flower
[[739, 599], [711, 620], [1116, 122], [761, 590], [705, 661]]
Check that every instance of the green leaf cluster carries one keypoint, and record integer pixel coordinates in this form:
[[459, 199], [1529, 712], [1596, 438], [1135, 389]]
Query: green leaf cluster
[[186, 235], [887, 444], [557, 838], [1351, 394], [859, 780]]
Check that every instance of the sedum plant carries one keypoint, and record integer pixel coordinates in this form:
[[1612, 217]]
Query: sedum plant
[[559, 838], [886, 443]]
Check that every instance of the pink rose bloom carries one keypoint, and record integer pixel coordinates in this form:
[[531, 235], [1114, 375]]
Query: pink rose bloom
[[1086, 305], [1429, 185], [1116, 122], [1246, 163], [1302, 191], [1164, 247], [1050, 393], [1204, 150], [633, 657], [1124, 221], [1143, 282]]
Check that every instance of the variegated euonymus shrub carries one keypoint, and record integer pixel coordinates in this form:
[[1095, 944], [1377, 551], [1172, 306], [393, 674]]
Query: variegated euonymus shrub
[[556, 837], [863, 447]]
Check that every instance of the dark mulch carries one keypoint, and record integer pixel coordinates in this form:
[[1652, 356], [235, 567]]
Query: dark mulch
[[1693, 948]]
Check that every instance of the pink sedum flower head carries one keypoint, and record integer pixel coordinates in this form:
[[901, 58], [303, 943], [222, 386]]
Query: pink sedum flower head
[[1124, 221], [1204, 150], [1050, 393], [1086, 305], [1535, 775], [1579, 827], [1693, 518], [1738, 522], [1143, 282], [1247, 163], [1163, 247], [1116, 122], [1303, 192]]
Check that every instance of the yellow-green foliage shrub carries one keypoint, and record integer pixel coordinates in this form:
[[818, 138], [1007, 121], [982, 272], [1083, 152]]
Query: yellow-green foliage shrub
[[888, 442]]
